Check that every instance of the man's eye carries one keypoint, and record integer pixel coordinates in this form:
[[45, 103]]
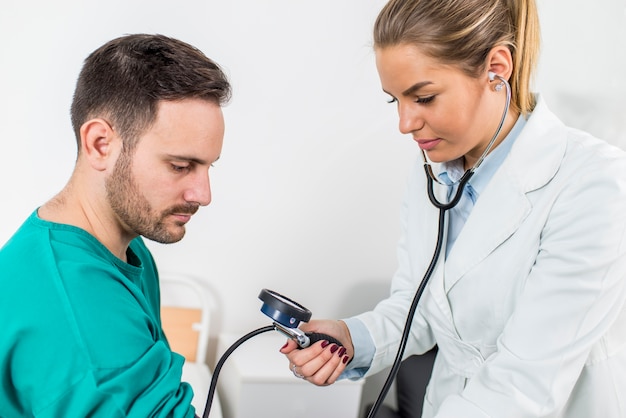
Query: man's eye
[[392, 100], [180, 168]]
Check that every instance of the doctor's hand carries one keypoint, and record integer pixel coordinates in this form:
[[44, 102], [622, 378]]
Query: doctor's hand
[[322, 362]]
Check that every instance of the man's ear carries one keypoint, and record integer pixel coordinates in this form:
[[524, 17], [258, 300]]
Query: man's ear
[[99, 143], [500, 61]]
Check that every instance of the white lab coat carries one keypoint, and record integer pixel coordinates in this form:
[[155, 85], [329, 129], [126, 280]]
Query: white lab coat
[[529, 309]]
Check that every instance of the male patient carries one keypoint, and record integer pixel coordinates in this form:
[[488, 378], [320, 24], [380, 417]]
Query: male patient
[[79, 294]]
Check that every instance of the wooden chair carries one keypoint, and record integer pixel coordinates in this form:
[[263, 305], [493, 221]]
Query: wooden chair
[[186, 307]]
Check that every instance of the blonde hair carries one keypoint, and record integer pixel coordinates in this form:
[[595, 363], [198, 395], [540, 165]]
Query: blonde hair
[[463, 32]]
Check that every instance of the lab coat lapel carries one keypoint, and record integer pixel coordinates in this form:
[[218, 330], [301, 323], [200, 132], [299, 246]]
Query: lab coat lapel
[[496, 216], [503, 205]]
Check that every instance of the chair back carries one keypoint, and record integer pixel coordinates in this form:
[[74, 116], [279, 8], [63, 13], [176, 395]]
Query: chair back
[[185, 315]]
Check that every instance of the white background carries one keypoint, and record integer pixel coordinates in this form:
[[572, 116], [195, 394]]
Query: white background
[[307, 193]]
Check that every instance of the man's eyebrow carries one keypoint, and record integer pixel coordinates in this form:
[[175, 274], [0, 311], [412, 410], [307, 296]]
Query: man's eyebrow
[[191, 159]]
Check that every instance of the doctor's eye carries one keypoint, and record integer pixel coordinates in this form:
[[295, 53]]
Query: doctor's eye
[[425, 100], [392, 99]]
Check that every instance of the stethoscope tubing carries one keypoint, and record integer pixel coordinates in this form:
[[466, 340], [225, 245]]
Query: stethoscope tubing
[[469, 172], [443, 207], [411, 314], [457, 196], [222, 360]]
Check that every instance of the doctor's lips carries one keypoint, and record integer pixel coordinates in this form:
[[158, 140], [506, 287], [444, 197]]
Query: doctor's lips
[[427, 144]]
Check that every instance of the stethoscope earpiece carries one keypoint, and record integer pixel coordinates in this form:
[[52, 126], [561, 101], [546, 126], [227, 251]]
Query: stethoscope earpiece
[[492, 77]]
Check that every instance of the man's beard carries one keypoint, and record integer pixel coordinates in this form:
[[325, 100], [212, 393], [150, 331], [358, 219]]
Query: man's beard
[[134, 210]]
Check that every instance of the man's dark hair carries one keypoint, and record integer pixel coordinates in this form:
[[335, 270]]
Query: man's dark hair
[[124, 80]]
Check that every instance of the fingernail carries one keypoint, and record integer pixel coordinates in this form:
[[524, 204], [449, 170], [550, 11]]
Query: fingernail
[[345, 359], [286, 344], [325, 343], [334, 348], [341, 351]]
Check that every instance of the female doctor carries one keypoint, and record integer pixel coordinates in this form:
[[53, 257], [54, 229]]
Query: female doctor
[[527, 301]]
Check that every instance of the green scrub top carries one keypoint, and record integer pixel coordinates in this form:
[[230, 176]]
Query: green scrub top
[[80, 330]]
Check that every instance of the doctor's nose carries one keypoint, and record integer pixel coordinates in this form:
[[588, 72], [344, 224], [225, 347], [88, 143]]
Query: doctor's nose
[[410, 119], [199, 191]]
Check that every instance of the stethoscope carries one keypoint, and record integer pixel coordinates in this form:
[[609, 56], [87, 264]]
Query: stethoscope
[[443, 207], [288, 314], [470, 172]]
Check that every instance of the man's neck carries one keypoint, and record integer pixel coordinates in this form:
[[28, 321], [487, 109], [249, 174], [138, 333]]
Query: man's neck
[[85, 211]]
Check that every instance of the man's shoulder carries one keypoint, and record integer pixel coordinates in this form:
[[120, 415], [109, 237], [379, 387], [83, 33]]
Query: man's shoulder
[[36, 240], [24, 247], [43, 257]]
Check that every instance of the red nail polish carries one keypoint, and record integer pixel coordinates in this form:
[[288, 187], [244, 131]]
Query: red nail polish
[[334, 348], [345, 359], [341, 351], [325, 344]]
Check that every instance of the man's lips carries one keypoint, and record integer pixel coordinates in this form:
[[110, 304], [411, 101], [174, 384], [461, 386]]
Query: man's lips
[[182, 217], [183, 213], [427, 144]]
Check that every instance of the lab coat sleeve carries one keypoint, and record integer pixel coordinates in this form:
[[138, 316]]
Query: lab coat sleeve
[[571, 301]]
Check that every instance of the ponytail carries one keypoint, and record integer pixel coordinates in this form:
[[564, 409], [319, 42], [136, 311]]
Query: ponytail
[[526, 53]]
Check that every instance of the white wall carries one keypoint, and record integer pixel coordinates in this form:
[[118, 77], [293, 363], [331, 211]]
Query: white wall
[[583, 64], [307, 191]]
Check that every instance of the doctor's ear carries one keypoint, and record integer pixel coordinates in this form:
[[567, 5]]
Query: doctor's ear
[[499, 62], [98, 143]]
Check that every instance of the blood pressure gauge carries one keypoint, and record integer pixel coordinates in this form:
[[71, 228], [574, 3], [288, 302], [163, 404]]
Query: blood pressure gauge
[[287, 315]]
